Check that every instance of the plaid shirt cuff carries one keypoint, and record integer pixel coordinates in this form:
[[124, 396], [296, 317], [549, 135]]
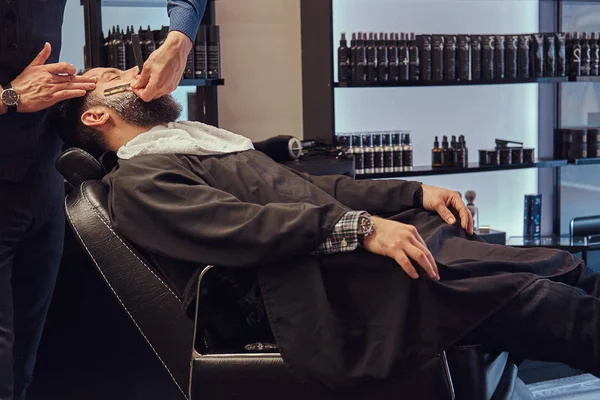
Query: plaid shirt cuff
[[344, 237]]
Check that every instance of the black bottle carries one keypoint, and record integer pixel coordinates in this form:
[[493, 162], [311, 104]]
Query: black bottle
[[107, 50], [397, 148], [378, 153], [110, 46], [415, 62], [147, 42], [130, 56], [407, 152], [475, 57], [463, 153], [511, 55], [488, 50], [574, 55], [382, 58], [524, 57], [388, 153], [393, 66], [595, 56], [586, 55], [450, 57], [404, 58], [436, 154], [119, 50], [561, 54], [214, 52], [371, 58], [352, 59], [360, 61], [446, 153], [367, 143], [500, 58], [343, 59], [464, 58], [425, 55], [454, 151], [437, 57], [359, 154], [201, 53]]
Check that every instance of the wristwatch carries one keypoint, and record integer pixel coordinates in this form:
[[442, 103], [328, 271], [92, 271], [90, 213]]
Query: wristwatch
[[366, 227], [10, 97]]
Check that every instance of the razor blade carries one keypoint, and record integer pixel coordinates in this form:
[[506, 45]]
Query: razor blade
[[117, 89]]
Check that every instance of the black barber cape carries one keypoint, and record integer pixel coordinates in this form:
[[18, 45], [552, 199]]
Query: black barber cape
[[338, 319]]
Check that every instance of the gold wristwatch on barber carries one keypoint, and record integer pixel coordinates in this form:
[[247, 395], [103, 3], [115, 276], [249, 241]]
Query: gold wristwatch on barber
[[365, 228], [9, 97]]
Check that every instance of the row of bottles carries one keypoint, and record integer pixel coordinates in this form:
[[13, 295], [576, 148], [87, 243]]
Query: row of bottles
[[378, 152], [450, 155], [203, 61]]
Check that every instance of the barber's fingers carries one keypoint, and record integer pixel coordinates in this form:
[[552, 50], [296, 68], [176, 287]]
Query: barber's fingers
[[419, 255], [61, 68], [42, 56], [406, 265], [74, 79], [142, 80], [149, 92], [466, 218], [67, 94], [445, 213], [74, 86], [421, 246]]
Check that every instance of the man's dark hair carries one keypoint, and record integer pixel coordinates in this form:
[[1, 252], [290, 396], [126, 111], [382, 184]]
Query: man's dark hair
[[66, 118]]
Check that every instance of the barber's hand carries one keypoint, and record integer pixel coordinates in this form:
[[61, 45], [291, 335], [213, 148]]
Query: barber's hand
[[441, 200], [40, 86], [163, 70], [402, 243]]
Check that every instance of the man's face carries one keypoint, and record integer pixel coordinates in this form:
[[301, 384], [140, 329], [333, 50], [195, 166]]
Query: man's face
[[127, 105]]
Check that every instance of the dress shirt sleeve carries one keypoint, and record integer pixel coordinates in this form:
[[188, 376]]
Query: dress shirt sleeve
[[344, 237], [185, 16]]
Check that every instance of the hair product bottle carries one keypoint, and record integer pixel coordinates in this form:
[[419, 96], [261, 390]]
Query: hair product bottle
[[450, 58], [524, 57], [359, 154], [382, 58], [129, 55], [214, 52], [550, 50], [488, 44], [475, 57], [464, 57], [343, 59], [499, 58], [575, 56], [147, 42], [360, 65], [436, 154], [595, 55], [586, 55], [397, 146], [425, 56], [378, 153], [446, 153], [407, 152], [561, 54], [369, 151], [454, 151], [393, 66], [462, 154], [512, 62], [437, 57], [404, 58], [201, 53], [414, 59], [371, 58], [388, 153]]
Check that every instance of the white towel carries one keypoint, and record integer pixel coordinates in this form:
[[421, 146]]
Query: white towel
[[185, 137]]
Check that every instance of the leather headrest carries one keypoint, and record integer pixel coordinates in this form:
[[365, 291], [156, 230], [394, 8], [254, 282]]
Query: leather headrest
[[78, 166]]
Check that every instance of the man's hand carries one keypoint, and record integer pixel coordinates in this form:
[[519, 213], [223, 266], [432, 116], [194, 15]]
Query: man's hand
[[439, 200], [40, 86], [401, 242], [163, 70]]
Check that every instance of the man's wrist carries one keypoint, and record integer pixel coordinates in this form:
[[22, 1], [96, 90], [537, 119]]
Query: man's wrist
[[3, 107], [179, 41]]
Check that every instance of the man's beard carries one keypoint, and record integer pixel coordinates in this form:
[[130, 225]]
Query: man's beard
[[147, 114]]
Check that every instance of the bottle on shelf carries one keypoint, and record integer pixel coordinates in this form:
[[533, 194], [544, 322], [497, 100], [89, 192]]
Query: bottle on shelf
[[586, 55], [214, 52], [360, 61], [371, 58], [407, 152], [446, 153], [574, 52], [414, 59], [119, 50], [130, 56], [393, 65], [378, 153], [462, 158], [595, 55], [369, 151], [388, 153], [359, 154], [397, 148], [404, 58], [201, 53], [454, 151], [436, 154], [343, 59], [382, 58], [147, 42], [450, 57]]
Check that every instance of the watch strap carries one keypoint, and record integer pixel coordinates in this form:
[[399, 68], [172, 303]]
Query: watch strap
[[9, 109]]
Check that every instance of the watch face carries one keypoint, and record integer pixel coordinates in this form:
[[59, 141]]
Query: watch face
[[10, 97], [364, 225]]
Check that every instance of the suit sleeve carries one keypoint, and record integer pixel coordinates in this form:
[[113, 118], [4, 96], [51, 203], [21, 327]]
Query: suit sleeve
[[378, 197], [185, 16], [169, 210]]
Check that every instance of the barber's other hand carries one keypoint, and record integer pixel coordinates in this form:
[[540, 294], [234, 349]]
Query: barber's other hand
[[402, 243], [163, 70], [40, 86], [441, 200]]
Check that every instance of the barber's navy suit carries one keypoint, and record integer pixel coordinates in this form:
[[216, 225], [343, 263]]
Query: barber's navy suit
[[31, 190]]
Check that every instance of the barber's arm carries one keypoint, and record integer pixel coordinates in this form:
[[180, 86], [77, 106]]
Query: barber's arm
[[175, 213], [42, 85], [385, 197], [164, 68]]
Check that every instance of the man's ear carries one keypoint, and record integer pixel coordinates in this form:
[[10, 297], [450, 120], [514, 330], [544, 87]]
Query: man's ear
[[95, 117]]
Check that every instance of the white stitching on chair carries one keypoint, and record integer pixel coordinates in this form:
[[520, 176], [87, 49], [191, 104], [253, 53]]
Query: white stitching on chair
[[123, 243], [119, 299]]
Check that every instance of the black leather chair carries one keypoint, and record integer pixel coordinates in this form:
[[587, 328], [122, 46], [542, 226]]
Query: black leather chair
[[157, 313]]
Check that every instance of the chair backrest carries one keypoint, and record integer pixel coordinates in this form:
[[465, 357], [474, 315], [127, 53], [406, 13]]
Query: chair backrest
[[585, 226], [152, 306]]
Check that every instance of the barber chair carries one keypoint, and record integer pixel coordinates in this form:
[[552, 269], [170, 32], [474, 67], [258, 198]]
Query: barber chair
[[464, 373], [588, 228]]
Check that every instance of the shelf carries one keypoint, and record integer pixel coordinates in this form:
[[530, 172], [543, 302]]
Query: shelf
[[134, 3], [587, 78], [473, 167], [585, 161], [202, 82], [448, 83]]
